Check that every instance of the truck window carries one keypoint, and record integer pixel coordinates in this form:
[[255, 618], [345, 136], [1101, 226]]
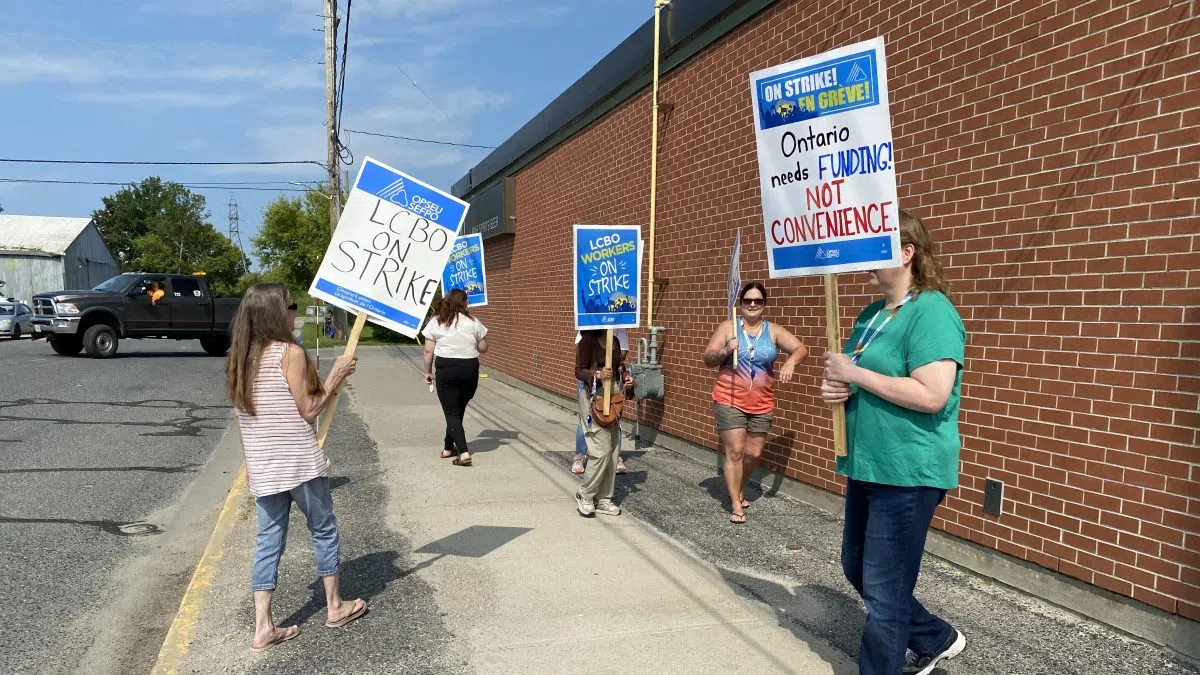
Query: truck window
[[184, 287]]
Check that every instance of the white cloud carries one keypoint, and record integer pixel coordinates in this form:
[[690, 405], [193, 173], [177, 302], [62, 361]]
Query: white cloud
[[53, 60], [173, 99], [284, 75], [20, 68]]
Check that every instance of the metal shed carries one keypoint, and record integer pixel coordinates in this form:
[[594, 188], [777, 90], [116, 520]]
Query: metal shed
[[39, 254]]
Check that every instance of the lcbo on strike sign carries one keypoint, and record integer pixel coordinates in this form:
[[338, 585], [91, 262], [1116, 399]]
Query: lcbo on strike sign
[[387, 255], [466, 270], [607, 262], [826, 163]]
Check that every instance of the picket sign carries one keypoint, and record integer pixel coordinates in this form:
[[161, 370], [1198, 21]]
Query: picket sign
[[607, 262], [827, 173], [386, 257]]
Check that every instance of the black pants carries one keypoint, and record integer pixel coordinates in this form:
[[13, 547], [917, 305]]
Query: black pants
[[457, 380]]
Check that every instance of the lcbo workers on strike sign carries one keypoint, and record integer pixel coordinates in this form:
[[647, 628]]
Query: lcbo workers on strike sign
[[465, 270], [387, 255], [607, 276], [826, 163]]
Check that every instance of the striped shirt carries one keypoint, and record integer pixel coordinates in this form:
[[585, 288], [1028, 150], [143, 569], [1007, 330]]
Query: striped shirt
[[281, 448]]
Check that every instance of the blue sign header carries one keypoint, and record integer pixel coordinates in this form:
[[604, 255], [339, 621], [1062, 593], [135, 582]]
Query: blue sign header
[[411, 195], [825, 88]]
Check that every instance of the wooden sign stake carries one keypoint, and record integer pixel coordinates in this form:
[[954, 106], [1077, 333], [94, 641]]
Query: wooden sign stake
[[608, 350], [733, 320], [326, 419], [833, 334]]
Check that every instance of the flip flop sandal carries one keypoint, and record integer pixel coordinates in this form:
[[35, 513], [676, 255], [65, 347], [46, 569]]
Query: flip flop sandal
[[349, 617], [458, 461], [447, 454], [737, 518], [745, 504], [289, 633]]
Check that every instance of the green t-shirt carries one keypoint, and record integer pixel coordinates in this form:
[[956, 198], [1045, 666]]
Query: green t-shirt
[[890, 444]]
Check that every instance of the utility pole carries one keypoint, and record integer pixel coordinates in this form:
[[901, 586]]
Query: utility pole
[[331, 105], [235, 233]]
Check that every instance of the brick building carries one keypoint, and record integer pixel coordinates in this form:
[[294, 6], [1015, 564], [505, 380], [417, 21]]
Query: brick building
[[1053, 147]]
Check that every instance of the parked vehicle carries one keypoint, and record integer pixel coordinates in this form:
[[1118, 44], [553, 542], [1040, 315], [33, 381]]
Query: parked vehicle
[[138, 306], [16, 318]]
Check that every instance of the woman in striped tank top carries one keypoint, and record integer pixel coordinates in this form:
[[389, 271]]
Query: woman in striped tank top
[[277, 395]]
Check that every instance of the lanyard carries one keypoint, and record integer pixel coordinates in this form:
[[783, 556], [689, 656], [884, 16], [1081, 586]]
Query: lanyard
[[751, 346], [868, 337]]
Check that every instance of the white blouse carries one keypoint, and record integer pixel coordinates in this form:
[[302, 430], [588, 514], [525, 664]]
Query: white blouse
[[459, 340]]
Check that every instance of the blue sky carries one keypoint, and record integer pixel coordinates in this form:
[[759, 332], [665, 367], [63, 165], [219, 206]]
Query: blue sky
[[236, 80]]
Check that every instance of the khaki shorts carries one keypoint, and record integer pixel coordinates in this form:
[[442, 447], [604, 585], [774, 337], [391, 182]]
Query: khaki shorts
[[729, 417]]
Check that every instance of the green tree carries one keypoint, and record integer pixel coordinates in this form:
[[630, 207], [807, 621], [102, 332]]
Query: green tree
[[157, 226], [293, 238]]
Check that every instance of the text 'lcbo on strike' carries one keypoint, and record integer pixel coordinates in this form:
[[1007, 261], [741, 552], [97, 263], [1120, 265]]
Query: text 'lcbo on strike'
[[822, 222], [388, 250], [611, 279]]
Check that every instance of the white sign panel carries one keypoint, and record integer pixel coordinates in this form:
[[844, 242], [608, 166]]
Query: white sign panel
[[391, 245], [826, 163]]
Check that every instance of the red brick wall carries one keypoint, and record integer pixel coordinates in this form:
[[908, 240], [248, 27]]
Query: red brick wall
[[1054, 148]]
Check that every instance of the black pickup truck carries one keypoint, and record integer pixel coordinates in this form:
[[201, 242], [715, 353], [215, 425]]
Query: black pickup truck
[[125, 306]]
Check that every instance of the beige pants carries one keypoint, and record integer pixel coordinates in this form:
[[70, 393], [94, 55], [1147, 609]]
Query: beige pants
[[601, 475]]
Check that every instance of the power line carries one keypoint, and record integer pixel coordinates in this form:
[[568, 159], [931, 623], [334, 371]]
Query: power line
[[399, 67], [194, 186], [341, 95], [7, 160], [422, 140]]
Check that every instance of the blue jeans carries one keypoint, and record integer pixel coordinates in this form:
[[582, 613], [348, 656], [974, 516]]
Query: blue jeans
[[316, 504], [882, 544]]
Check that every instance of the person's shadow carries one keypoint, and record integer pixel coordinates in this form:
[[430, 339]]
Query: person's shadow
[[828, 614], [363, 577], [491, 439], [716, 489], [628, 484]]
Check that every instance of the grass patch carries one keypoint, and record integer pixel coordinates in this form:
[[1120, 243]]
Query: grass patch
[[371, 335]]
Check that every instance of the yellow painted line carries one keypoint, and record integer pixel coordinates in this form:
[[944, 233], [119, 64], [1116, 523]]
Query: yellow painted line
[[179, 637]]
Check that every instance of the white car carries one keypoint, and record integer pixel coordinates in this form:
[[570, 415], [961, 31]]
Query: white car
[[16, 319]]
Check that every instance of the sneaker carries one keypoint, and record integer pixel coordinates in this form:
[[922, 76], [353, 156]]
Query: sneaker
[[620, 465], [923, 665], [608, 508], [578, 466], [584, 506]]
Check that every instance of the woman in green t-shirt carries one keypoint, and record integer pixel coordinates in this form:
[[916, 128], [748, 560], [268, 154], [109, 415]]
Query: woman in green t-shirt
[[900, 377]]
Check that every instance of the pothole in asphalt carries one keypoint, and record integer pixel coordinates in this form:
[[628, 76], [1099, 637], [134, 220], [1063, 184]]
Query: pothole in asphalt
[[138, 529]]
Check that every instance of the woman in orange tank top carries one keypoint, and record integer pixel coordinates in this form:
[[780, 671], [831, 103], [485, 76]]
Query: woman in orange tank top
[[744, 397]]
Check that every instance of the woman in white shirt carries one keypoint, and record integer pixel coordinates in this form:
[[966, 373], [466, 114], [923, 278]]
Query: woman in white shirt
[[453, 342]]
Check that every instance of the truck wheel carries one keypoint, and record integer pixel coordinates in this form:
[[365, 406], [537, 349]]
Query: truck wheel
[[100, 341], [215, 346], [66, 345]]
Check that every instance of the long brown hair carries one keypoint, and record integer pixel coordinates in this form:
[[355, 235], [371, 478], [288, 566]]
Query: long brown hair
[[450, 306], [261, 320], [927, 272]]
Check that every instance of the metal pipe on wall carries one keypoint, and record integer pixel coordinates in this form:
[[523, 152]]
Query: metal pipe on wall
[[658, 5]]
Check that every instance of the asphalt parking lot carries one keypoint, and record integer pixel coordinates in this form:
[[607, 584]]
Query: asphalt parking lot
[[110, 474]]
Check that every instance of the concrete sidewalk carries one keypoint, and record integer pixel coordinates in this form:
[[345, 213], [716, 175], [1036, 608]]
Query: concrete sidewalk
[[488, 569]]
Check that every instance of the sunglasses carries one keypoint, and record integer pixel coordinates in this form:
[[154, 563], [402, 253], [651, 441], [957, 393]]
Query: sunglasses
[[754, 301], [292, 307]]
